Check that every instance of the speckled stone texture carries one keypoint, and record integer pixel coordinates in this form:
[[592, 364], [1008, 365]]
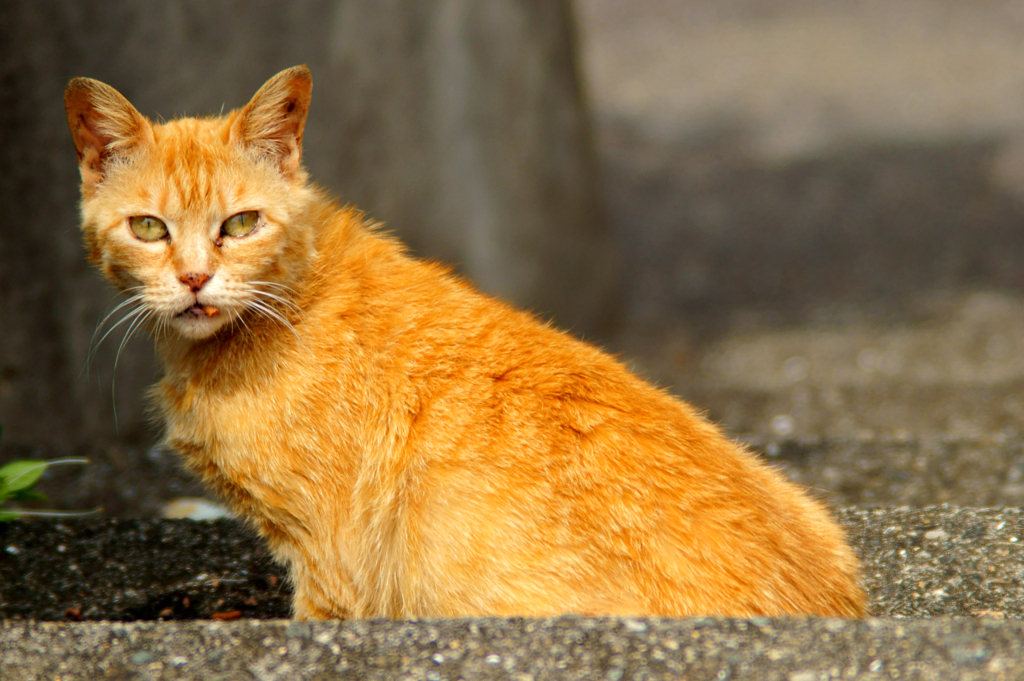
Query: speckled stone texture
[[565, 649]]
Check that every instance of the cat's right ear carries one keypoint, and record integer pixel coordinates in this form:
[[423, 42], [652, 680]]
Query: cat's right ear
[[104, 126]]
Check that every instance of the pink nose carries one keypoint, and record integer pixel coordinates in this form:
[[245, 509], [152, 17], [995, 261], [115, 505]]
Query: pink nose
[[194, 281]]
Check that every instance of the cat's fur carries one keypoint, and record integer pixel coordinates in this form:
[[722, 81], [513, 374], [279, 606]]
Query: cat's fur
[[408, 446]]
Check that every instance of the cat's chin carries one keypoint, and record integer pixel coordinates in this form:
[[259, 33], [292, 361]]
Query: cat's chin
[[199, 321]]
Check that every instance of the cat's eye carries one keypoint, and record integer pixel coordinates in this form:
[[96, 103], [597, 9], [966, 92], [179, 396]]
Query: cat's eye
[[147, 227], [240, 224]]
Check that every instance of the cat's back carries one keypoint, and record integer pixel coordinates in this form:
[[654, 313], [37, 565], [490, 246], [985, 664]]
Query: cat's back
[[622, 497]]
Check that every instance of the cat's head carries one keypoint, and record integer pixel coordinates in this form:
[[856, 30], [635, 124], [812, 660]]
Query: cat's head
[[202, 221]]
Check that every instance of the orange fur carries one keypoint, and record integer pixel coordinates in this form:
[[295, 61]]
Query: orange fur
[[408, 446]]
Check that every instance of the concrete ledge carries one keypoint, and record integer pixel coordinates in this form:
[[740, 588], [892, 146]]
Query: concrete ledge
[[564, 648]]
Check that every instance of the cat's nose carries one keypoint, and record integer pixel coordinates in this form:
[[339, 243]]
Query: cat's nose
[[194, 280]]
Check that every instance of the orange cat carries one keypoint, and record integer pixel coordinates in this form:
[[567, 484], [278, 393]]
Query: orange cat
[[406, 445]]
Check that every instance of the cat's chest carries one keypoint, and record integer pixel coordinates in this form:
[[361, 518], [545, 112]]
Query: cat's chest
[[240, 444], [270, 432], [228, 424]]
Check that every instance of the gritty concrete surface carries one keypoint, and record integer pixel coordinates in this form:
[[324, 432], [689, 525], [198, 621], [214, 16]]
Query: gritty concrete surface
[[940, 561], [524, 650]]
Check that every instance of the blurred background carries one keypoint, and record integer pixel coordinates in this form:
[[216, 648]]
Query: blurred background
[[805, 217]]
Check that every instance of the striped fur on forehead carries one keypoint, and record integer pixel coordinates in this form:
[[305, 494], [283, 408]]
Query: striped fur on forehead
[[194, 159]]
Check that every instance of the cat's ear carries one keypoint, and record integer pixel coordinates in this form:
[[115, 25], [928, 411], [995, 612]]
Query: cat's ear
[[272, 123], [104, 126]]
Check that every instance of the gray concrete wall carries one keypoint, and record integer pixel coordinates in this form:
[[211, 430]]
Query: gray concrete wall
[[767, 159], [459, 124]]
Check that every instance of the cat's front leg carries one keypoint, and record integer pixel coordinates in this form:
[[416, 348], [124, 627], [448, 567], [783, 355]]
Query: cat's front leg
[[321, 599], [304, 608]]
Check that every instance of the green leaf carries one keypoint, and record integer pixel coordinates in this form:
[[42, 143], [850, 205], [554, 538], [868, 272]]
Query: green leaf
[[7, 515], [19, 475]]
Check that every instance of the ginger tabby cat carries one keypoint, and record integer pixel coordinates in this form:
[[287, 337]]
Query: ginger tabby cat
[[406, 445]]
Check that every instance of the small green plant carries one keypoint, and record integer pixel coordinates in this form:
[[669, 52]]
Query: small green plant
[[16, 481]]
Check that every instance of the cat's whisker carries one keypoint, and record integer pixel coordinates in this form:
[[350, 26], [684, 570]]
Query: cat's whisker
[[241, 320], [268, 312], [132, 315], [161, 327], [99, 326], [140, 319], [282, 288], [258, 293], [138, 323], [237, 319], [279, 299], [275, 284], [133, 299], [127, 301]]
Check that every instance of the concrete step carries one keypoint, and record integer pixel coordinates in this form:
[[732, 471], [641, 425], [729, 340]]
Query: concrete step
[[565, 649]]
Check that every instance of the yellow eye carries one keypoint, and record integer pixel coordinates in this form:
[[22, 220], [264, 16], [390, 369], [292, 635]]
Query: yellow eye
[[240, 224], [147, 227]]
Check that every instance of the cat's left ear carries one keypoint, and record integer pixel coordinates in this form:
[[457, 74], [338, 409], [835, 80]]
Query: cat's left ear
[[273, 122]]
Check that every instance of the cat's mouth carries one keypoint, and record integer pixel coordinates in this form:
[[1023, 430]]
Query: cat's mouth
[[200, 321], [198, 310]]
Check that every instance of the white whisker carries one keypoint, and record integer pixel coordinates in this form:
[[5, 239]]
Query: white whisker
[[279, 299], [282, 288], [267, 311], [93, 343], [133, 299], [139, 321], [241, 319], [130, 316]]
